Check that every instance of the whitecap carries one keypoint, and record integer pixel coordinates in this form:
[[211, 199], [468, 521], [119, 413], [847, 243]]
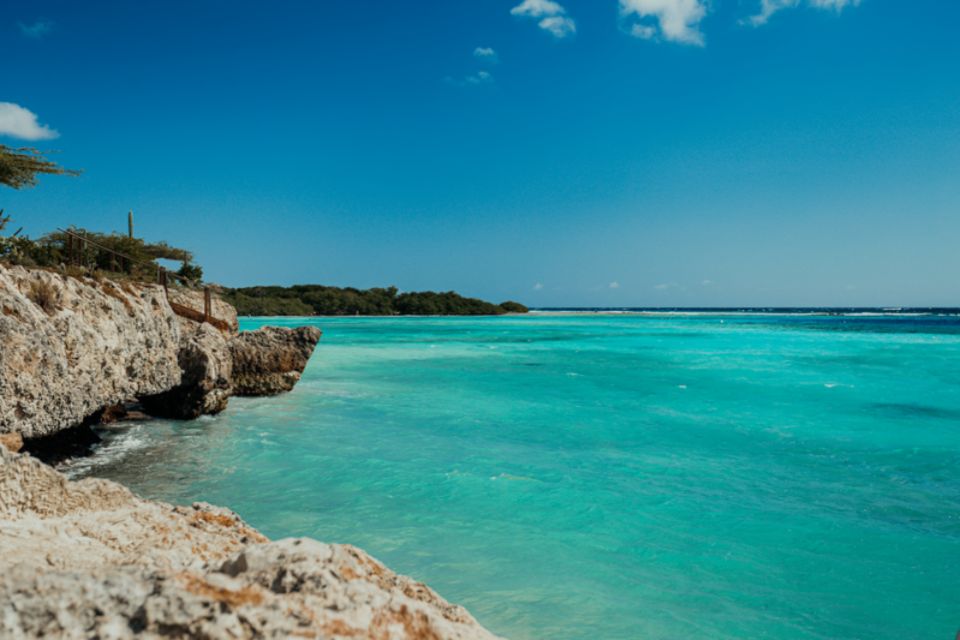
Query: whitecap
[[113, 449]]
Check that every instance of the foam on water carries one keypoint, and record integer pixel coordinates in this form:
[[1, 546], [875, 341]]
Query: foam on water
[[741, 476]]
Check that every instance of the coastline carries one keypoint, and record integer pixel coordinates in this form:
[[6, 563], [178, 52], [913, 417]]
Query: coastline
[[88, 557], [825, 312]]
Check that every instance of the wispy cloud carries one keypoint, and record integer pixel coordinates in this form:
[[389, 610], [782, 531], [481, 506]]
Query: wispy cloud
[[486, 54], [38, 29], [614, 285], [17, 122], [474, 80], [672, 20], [550, 16], [481, 77], [770, 7], [538, 286]]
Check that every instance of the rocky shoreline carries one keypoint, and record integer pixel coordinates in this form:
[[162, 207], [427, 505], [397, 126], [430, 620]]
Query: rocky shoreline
[[89, 559]]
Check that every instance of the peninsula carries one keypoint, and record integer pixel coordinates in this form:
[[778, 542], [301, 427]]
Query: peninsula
[[319, 300]]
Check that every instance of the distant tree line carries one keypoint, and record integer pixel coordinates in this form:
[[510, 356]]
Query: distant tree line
[[319, 300]]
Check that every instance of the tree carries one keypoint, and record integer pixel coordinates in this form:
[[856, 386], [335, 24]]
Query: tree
[[193, 272], [20, 167]]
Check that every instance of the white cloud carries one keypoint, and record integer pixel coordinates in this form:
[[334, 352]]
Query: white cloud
[[537, 8], [17, 122], [770, 7], [38, 29], [665, 286], [486, 54], [479, 78], [538, 286], [559, 26], [834, 4], [674, 20], [614, 285], [553, 18]]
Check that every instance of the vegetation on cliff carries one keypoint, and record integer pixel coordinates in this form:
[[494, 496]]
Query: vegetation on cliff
[[309, 300], [53, 250]]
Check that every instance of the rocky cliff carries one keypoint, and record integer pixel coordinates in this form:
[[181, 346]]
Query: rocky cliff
[[76, 346], [89, 559], [73, 346]]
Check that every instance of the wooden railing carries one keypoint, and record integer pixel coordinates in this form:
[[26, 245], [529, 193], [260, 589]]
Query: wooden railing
[[75, 245]]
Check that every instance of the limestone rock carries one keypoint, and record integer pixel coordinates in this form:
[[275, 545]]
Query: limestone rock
[[71, 346], [271, 360], [89, 559], [206, 370]]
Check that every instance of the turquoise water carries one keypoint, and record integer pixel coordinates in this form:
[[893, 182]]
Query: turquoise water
[[606, 477]]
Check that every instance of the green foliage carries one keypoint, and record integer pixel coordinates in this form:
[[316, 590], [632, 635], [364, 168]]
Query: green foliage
[[305, 300], [192, 272], [514, 307], [428, 303], [30, 253], [137, 258], [20, 167]]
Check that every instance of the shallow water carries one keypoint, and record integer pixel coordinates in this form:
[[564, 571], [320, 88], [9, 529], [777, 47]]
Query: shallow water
[[610, 476]]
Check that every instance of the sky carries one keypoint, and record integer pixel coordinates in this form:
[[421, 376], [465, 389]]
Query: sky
[[560, 153]]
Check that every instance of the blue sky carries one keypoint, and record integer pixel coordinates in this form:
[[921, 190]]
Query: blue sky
[[592, 152]]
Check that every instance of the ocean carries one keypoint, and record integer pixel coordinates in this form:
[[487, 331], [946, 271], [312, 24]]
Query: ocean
[[595, 476]]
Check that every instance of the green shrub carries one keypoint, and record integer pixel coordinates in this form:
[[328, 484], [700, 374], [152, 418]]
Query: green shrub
[[513, 307]]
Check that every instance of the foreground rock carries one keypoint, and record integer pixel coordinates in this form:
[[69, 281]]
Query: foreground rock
[[270, 360], [89, 559]]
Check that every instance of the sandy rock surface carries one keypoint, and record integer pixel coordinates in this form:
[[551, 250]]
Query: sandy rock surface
[[89, 559]]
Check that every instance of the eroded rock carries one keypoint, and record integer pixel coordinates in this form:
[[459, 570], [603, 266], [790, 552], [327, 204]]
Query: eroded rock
[[74, 347], [89, 559], [271, 360], [206, 372], [71, 346]]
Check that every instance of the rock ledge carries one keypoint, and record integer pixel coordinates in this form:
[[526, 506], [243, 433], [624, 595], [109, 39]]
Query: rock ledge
[[89, 559]]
